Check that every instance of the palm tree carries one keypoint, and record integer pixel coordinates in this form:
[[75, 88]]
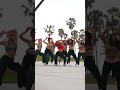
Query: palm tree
[[71, 22], [96, 19], [50, 30], [29, 10], [1, 13], [88, 4], [74, 34], [61, 33], [82, 34], [114, 14], [65, 36]]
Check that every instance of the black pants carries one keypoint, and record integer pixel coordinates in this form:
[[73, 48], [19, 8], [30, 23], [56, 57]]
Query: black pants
[[61, 55], [28, 71], [115, 67], [47, 51], [79, 55], [37, 52], [65, 53], [71, 52], [6, 62], [90, 65], [48, 58]]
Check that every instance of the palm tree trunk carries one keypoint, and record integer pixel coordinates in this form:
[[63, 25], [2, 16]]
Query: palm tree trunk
[[39, 4], [48, 35]]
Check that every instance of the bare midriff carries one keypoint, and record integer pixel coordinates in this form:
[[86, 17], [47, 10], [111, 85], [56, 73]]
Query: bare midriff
[[81, 49], [49, 46], [112, 55], [65, 47], [11, 53], [71, 47]]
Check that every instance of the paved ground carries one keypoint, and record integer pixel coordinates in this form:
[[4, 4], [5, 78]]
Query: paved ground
[[59, 77]]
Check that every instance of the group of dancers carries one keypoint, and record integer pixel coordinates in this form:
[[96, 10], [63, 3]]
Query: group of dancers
[[86, 50], [62, 53], [112, 56], [26, 71]]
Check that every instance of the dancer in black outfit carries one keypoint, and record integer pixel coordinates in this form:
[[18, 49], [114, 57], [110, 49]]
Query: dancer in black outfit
[[112, 60], [81, 52], [7, 60], [60, 45], [71, 44], [53, 51], [65, 50], [39, 47], [48, 51], [28, 65], [89, 61]]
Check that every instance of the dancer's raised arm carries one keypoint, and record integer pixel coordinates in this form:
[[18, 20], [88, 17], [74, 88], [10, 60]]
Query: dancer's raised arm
[[45, 40], [104, 36], [74, 42], [22, 34], [1, 34]]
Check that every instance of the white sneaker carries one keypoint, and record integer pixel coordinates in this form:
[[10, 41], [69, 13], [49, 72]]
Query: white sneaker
[[76, 65]]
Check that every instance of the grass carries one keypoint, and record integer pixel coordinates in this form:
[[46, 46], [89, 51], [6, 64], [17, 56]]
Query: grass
[[39, 58]]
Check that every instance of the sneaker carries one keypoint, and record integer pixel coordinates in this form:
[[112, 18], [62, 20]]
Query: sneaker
[[76, 65], [64, 65], [55, 64]]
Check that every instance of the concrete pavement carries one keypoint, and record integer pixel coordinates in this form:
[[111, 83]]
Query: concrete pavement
[[59, 77]]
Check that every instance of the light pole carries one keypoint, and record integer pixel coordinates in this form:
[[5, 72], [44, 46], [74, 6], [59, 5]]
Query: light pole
[[39, 4]]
